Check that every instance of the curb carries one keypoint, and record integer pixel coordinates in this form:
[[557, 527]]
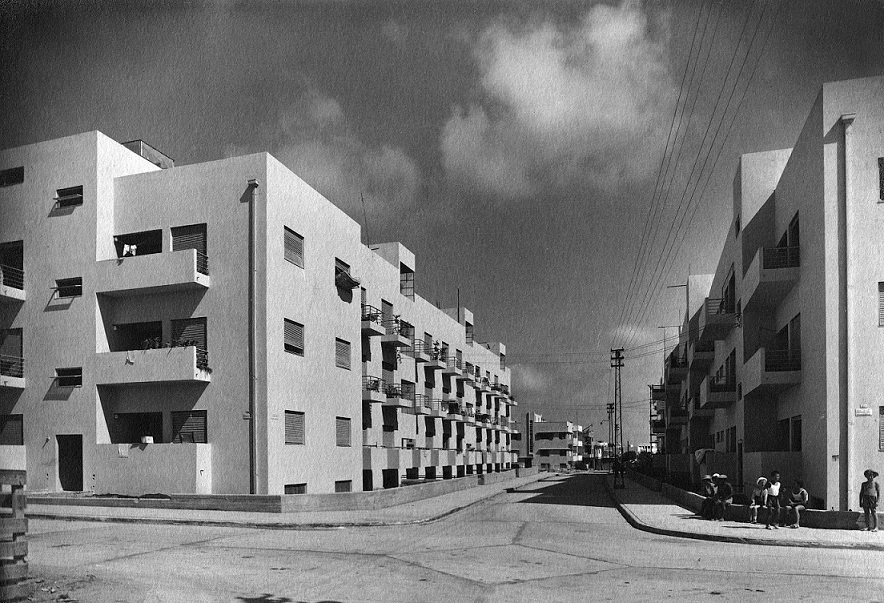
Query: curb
[[268, 526], [636, 523]]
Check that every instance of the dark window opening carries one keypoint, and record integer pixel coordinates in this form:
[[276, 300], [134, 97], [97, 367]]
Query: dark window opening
[[296, 488], [12, 430], [137, 336], [406, 281], [69, 377], [69, 197], [12, 363], [344, 486], [131, 427], [12, 259], [139, 243], [342, 354], [469, 332], [11, 176], [69, 287]]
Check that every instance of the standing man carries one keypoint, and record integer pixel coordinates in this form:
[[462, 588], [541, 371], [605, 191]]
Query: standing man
[[773, 500]]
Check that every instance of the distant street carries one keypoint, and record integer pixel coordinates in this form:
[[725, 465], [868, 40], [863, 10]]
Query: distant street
[[560, 539]]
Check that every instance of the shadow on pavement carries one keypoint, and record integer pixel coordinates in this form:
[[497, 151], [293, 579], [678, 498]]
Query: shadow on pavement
[[585, 490]]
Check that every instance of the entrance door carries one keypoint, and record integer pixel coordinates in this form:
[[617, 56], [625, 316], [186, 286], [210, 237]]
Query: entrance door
[[70, 462]]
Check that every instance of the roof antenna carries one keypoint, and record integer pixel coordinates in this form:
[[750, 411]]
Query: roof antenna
[[365, 219]]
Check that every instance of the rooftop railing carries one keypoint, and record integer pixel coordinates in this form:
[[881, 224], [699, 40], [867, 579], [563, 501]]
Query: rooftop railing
[[12, 277], [781, 257]]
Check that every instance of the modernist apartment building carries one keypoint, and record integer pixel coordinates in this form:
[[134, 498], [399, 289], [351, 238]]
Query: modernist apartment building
[[780, 360], [220, 328], [551, 445]]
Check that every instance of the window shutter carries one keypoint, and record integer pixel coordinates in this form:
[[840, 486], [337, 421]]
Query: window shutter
[[294, 337], [881, 176], [881, 304], [342, 431], [294, 248], [294, 427], [190, 329], [342, 353], [11, 431], [189, 427], [189, 237]]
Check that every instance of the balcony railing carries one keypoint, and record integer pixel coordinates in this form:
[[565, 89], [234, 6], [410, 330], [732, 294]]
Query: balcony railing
[[373, 384], [782, 360], [12, 366], [453, 362], [202, 357], [396, 326], [371, 314], [12, 277], [423, 401], [781, 257], [722, 384], [400, 390], [719, 306], [202, 263]]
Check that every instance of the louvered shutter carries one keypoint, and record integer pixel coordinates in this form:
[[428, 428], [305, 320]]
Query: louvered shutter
[[189, 237], [294, 427], [342, 353], [189, 426], [294, 337], [881, 304], [294, 247], [342, 431], [190, 329], [11, 431]]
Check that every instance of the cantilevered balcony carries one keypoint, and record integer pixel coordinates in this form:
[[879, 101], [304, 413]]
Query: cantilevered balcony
[[771, 275], [420, 351], [372, 321], [398, 333], [469, 373], [438, 359], [454, 411], [399, 396], [678, 416], [12, 284], [436, 407], [700, 355], [658, 426], [187, 269], [676, 367], [717, 392], [695, 411], [422, 404], [717, 318], [453, 366], [658, 393], [12, 372], [374, 389], [771, 371], [162, 365]]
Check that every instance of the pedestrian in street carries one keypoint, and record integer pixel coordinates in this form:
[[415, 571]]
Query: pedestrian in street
[[707, 491], [773, 500], [759, 499], [869, 493], [798, 498], [724, 496]]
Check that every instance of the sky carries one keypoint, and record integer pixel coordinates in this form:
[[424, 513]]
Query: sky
[[526, 152]]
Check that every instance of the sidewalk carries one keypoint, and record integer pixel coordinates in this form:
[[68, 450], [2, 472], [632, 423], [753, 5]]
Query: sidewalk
[[421, 511], [652, 512]]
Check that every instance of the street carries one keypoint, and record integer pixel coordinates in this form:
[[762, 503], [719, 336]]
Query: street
[[559, 539]]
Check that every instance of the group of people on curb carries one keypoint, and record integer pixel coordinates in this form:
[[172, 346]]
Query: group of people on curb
[[718, 494]]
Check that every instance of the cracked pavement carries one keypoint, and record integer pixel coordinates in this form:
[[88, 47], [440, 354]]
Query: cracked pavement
[[559, 539]]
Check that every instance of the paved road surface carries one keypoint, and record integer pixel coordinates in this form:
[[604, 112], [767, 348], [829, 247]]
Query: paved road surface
[[559, 539]]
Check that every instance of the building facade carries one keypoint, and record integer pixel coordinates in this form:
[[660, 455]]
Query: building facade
[[780, 356], [220, 328], [557, 445]]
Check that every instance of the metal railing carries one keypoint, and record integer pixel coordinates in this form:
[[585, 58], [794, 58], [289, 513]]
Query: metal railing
[[453, 408], [373, 384], [397, 326], [782, 360], [202, 358], [12, 277], [469, 369], [453, 362], [678, 360], [12, 366], [371, 314], [780, 257], [719, 306], [423, 401], [202, 263]]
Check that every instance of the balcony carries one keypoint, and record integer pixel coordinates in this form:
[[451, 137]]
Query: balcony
[[12, 372], [676, 367], [372, 322], [12, 284], [771, 275], [678, 416], [422, 404], [658, 426], [658, 393], [163, 365], [470, 414], [698, 412], [398, 396], [717, 318], [187, 269], [469, 374], [436, 406], [484, 385], [700, 355], [399, 334], [771, 371], [454, 412], [453, 366], [438, 358], [374, 389], [420, 351], [717, 392]]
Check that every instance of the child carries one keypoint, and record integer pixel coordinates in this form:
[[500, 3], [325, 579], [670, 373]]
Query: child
[[797, 502], [759, 499], [773, 500], [869, 493]]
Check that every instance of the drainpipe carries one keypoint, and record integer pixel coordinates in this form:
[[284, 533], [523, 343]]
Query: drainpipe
[[253, 328], [850, 419]]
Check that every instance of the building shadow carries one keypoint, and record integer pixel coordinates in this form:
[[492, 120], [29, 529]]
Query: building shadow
[[583, 490]]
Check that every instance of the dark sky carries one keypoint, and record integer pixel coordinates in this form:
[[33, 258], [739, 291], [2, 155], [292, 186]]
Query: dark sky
[[513, 146]]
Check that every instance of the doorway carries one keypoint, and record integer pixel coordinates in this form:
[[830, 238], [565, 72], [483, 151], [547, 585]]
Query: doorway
[[70, 462]]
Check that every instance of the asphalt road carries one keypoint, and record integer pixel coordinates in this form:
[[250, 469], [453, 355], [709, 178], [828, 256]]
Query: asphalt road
[[559, 539]]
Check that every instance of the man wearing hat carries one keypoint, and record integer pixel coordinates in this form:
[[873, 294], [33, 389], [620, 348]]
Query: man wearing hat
[[707, 491], [869, 493], [724, 496]]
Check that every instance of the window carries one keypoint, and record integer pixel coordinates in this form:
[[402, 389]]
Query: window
[[11, 362], [406, 281], [343, 279], [469, 332], [69, 377], [12, 176], [294, 427], [11, 430], [294, 337], [69, 287], [192, 332], [296, 488], [344, 486], [881, 304], [189, 427], [503, 362], [294, 247], [342, 431], [69, 197], [192, 237], [139, 243], [881, 428], [342, 354], [881, 177]]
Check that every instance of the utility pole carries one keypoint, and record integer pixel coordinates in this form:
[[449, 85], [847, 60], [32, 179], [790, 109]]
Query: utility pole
[[610, 408], [617, 364]]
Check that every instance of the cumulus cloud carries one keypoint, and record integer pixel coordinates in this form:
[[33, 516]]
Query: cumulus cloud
[[563, 105]]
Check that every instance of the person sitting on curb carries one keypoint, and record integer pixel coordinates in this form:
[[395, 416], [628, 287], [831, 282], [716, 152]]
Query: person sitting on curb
[[707, 491], [759, 499], [797, 502], [869, 493], [724, 496], [773, 500]]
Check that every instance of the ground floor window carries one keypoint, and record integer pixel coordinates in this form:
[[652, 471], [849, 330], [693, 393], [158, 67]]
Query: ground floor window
[[296, 488]]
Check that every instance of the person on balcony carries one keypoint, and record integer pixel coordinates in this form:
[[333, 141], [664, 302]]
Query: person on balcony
[[798, 498]]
